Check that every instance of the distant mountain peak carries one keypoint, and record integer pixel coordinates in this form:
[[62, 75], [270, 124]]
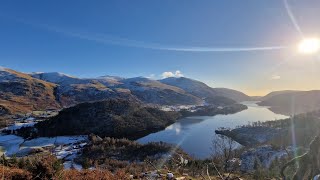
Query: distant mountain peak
[[59, 74], [117, 78], [2, 68], [139, 78]]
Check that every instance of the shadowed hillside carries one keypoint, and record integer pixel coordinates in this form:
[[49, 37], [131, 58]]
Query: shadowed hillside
[[113, 118]]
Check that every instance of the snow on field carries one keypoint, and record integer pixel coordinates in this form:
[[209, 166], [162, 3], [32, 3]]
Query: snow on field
[[66, 148], [19, 125], [53, 141], [10, 144], [67, 152]]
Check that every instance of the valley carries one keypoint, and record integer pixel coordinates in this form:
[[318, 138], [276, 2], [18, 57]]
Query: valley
[[175, 117], [160, 90]]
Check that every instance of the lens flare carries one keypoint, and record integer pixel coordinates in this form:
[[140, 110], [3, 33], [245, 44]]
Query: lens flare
[[309, 46]]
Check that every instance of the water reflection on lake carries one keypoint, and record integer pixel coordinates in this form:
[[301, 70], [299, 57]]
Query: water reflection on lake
[[195, 134]]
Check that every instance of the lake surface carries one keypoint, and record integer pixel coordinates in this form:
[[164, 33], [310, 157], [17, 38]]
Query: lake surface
[[195, 134]]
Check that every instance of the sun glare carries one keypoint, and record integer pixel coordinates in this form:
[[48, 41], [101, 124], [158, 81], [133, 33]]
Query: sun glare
[[309, 46]]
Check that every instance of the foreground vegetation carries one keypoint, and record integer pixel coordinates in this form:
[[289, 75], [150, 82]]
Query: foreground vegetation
[[113, 154], [48, 167], [110, 158]]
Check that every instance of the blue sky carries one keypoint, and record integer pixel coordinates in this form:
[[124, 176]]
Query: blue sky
[[147, 38]]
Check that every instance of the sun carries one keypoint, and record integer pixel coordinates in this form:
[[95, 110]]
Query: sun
[[309, 46]]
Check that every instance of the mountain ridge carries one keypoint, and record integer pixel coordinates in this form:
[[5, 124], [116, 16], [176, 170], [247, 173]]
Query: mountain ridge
[[64, 90], [292, 102]]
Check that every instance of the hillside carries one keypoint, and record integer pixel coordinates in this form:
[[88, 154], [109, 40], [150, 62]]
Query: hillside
[[152, 91], [191, 86], [292, 102], [202, 90], [232, 94], [72, 90], [113, 118], [274, 93], [21, 93]]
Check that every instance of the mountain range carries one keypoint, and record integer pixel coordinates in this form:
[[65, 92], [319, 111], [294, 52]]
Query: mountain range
[[292, 102], [24, 92]]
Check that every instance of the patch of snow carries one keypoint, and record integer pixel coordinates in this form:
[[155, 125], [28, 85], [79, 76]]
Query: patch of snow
[[56, 77], [30, 119], [67, 152], [116, 78], [10, 144], [265, 154], [17, 126], [6, 76], [53, 141], [65, 147], [190, 108]]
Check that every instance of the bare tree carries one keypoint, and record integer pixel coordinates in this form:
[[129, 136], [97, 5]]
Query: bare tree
[[223, 153]]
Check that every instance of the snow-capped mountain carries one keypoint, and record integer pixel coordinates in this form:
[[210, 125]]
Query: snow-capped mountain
[[191, 86], [44, 90], [152, 91], [202, 90], [73, 90]]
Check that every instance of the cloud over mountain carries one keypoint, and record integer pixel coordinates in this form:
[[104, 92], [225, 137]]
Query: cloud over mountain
[[167, 74]]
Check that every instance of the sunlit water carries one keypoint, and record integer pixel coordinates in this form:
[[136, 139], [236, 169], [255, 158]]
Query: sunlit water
[[195, 134]]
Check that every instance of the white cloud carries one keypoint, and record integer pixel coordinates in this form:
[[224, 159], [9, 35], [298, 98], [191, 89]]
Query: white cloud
[[151, 76], [167, 74], [178, 74], [275, 77]]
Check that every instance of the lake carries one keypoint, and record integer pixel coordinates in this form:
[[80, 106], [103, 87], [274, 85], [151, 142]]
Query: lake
[[195, 134]]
